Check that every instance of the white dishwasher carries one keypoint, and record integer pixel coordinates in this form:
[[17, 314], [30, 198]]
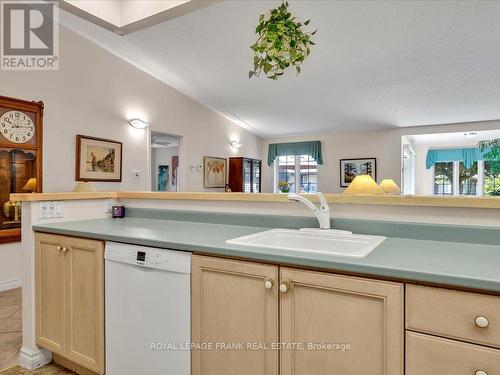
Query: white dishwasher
[[148, 307]]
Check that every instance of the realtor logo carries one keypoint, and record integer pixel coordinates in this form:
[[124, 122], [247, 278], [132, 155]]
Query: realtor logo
[[29, 35]]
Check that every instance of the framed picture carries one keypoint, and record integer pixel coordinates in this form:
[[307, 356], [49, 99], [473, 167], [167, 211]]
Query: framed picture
[[98, 159], [350, 168], [163, 174], [214, 172]]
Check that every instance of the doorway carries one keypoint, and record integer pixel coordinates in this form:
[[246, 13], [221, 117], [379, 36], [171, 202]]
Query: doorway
[[164, 161]]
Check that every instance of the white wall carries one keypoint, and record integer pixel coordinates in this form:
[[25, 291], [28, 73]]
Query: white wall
[[95, 93], [10, 266], [385, 145], [423, 176]]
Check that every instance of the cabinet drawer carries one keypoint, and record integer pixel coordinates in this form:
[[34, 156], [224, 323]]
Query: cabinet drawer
[[461, 315], [428, 355]]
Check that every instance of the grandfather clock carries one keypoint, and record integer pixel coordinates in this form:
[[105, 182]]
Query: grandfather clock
[[20, 160]]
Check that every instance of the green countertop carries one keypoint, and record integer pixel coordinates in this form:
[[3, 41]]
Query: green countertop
[[465, 265]]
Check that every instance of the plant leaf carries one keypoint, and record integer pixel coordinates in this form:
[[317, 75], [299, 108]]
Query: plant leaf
[[281, 43]]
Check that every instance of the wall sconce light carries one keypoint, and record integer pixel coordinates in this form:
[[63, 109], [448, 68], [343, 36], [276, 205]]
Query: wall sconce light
[[236, 144], [138, 124], [390, 187]]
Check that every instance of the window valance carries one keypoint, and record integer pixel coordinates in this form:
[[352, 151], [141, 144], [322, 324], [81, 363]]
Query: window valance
[[312, 148], [467, 155]]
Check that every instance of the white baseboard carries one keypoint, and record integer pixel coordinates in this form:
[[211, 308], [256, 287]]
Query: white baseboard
[[32, 359], [10, 284]]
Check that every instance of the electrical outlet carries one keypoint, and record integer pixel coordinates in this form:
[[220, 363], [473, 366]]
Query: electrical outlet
[[50, 209], [108, 206]]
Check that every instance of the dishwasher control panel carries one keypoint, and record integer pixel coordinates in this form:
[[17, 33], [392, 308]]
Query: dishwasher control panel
[[149, 257]]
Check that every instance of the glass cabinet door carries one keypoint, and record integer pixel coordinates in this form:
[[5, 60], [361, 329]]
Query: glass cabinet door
[[256, 164], [247, 176], [17, 175]]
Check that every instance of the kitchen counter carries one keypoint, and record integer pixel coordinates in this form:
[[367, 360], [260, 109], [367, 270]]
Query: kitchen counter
[[465, 265]]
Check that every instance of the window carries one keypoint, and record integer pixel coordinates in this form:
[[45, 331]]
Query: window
[[443, 178], [286, 174], [296, 174], [492, 178], [308, 174], [452, 178], [467, 179]]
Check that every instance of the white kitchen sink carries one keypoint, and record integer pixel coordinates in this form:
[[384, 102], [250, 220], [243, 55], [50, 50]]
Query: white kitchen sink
[[337, 243]]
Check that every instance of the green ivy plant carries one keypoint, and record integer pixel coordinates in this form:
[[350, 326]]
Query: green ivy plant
[[493, 147], [281, 43]]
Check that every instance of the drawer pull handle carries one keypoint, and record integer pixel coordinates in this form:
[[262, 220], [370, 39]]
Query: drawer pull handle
[[59, 247], [268, 284], [481, 322], [480, 372]]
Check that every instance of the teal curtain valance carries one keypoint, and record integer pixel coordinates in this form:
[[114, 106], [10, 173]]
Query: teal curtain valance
[[467, 155], [312, 149]]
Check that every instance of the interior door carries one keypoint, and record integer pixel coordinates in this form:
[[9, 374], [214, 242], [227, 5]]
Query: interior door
[[359, 320], [234, 302]]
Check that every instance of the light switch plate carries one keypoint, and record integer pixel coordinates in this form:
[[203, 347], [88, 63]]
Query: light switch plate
[[50, 209]]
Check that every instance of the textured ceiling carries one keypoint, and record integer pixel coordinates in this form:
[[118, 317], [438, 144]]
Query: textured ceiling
[[377, 64]]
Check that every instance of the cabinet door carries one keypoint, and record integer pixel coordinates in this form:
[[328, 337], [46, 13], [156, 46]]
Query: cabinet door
[[231, 305], [429, 355], [50, 287], [247, 176], [363, 317], [85, 307], [256, 176]]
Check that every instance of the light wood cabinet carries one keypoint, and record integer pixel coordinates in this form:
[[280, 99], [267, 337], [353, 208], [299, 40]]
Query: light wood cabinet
[[230, 305], [429, 355], [69, 281], [50, 279], [459, 316], [454, 314], [363, 317]]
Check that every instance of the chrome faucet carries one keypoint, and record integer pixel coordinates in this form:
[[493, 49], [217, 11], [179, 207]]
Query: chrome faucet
[[322, 212]]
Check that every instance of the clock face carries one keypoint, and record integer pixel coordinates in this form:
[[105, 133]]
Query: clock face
[[17, 127]]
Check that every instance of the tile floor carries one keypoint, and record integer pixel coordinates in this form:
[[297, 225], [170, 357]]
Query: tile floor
[[10, 327], [11, 338], [50, 369]]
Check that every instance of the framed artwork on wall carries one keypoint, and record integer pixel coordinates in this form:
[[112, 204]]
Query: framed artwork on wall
[[98, 159], [350, 168], [214, 172], [163, 177], [175, 164]]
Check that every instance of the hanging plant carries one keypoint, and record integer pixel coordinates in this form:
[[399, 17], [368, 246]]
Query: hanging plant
[[493, 151], [281, 43]]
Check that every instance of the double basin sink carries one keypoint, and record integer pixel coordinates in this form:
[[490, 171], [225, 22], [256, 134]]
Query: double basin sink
[[309, 240]]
